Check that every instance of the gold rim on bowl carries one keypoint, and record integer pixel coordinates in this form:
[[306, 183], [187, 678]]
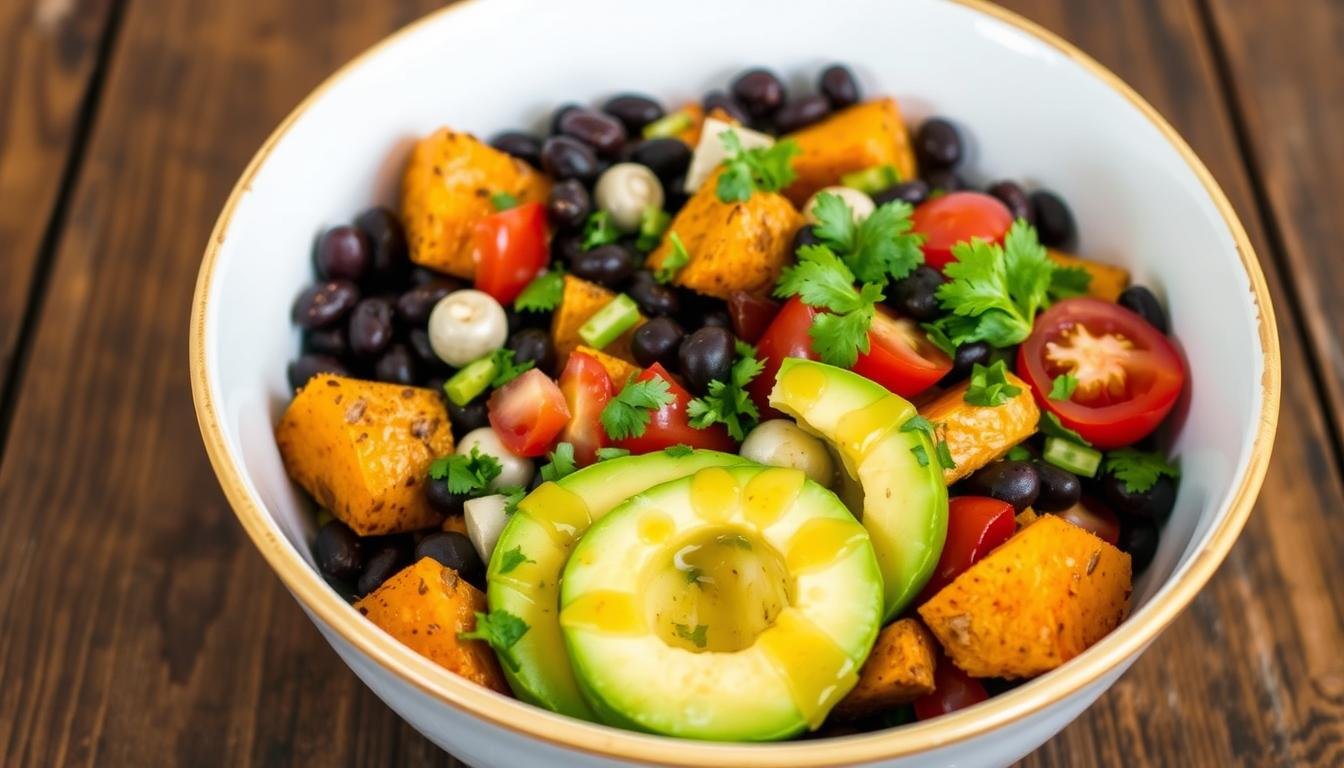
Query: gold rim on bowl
[[523, 719]]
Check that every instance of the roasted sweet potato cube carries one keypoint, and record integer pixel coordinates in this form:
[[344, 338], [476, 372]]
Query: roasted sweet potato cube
[[732, 246], [855, 138], [691, 135], [619, 370], [1043, 597], [976, 435], [898, 671], [1108, 280], [362, 450], [424, 606], [446, 190], [580, 300]]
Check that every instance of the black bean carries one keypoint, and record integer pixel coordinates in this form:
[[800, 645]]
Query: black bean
[[706, 355], [306, 366], [1155, 503], [610, 265], [452, 550], [722, 100], [915, 296], [396, 366], [321, 305], [967, 356], [667, 158], [1054, 221], [937, 144], [913, 192], [1014, 482], [1012, 195], [801, 112], [523, 146], [533, 345], [1143, 303], [569, 204], [654, 298], [1140, 539], [327, 341], [565, 157], [391, 257], [633, 110], [559, 115], [839, 86], [674, 194], [717, 318], [760, 91], [465, 418], [414, 306], [804, 236], [337, 551], [565, 246], [657, 341], [389, 555], [418, 339], [944, 180], [1060, 489], [371, 327], [603, 133], [441, 499], [343, 253], [421, 275]]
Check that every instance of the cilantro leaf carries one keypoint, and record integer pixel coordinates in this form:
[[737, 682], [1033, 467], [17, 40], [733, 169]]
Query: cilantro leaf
[[1051, 426], [503, 201], [767, 169], [611, 452], [1066, 282], [505, 369], [502, 630], [599, 229], [839, 339], [1139, 471], [696, 636], [466, 473], [879, 248], [512, 495], [727, 402], [1018, 453], [543, 293], [627, 414], [918, 423], [561, 463], [921, 455], [678, 450], [1063, 386], [835, 225], [820, 279], [652, 223], [673, 261], [944, 453], [989, 385], [512, 559]]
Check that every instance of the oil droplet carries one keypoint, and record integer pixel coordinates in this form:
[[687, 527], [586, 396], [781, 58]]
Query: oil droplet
[[801, 387], [769, 494], [861, 428], [816, 670], [607, 611], [561, 513], [655, 527], [714, 494], [822, 541]]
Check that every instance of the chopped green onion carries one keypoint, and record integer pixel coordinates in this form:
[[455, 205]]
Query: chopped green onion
[[1066, 454], [503, 201], [872, 180], [471, 381], [652, 224], [618, 316], [669, 125]]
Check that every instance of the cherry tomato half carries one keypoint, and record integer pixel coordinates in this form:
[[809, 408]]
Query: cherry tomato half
[[587, 388], [510, 250], [955, 218], [787, 336], [952, 690], [900, 357], [669, 425], [528, 413], [975, 525], [1129, 375]]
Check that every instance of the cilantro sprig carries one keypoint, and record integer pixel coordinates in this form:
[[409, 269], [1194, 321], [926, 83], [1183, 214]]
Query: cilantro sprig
[[727, 402], [466, 473], [599, 229], [628, 413], [561, 463], [989, 385], [506, 369], [918, 423], [820, 279], [1051, 426], [502, 630], [674, 261], [543, 294], [1062, 387], [765, 169], [513, 558], [1138, 470], [879, 248]]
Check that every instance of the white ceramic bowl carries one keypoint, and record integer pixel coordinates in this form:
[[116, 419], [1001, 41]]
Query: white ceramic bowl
[[1035, 108]]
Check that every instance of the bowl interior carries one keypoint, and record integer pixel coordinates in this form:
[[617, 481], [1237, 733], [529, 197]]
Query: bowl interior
[[1030, 112]]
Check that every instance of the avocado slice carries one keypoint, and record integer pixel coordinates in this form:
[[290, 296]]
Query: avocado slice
[[524, 570], [736, 604], [904, 497]]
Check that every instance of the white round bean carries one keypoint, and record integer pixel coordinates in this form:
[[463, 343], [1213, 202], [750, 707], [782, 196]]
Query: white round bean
[[625, 190], [781, 443], [514, 469], [860, 205], [466, 325]]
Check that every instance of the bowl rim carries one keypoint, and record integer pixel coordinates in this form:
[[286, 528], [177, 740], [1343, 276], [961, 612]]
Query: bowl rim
[[522, 719]]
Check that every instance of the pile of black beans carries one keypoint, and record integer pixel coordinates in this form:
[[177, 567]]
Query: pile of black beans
[[358, 565]]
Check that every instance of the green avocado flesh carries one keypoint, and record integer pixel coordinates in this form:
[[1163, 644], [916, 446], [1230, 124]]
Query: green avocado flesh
[[736, 604], [904, 502], [540, 536]]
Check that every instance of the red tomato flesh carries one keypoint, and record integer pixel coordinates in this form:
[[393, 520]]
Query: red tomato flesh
[[528, 413], [787, 336], [586, 388], [956, 218], [952, 690], [669, 425], [1129, 375], [510, 250], [975, 526], [900, 357], [751, 315]]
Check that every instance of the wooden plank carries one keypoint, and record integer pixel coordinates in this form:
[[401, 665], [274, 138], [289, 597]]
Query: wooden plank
[[1252, 672], [49, 52], [140, 626], [1285, 63]]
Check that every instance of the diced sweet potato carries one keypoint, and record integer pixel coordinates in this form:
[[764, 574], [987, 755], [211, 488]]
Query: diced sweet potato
[[446, 190], [858, 137], [455, 523], [898, 671], [424, 607], [362, 450], [1108, 280], [977, 435], [619, 370], [732, 246], [1040, 599], [691, 136], [580, 300], [1026, 517]]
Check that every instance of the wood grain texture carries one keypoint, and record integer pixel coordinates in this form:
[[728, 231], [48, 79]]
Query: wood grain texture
[[48, 55]]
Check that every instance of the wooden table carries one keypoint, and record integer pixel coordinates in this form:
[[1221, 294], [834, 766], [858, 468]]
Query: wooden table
[[139, 627]]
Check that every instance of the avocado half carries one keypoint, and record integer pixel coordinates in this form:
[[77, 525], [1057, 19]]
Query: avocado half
[[736, 604], [541, 534], [904, 496]]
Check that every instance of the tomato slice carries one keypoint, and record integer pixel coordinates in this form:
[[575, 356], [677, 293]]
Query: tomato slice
[[787, 336], [952, 690], [669, 425], [975, 526], [1129, 375], [900, 357], [1092, 515], [528, 413], [587, 388], [955, 218], [510, 250]]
